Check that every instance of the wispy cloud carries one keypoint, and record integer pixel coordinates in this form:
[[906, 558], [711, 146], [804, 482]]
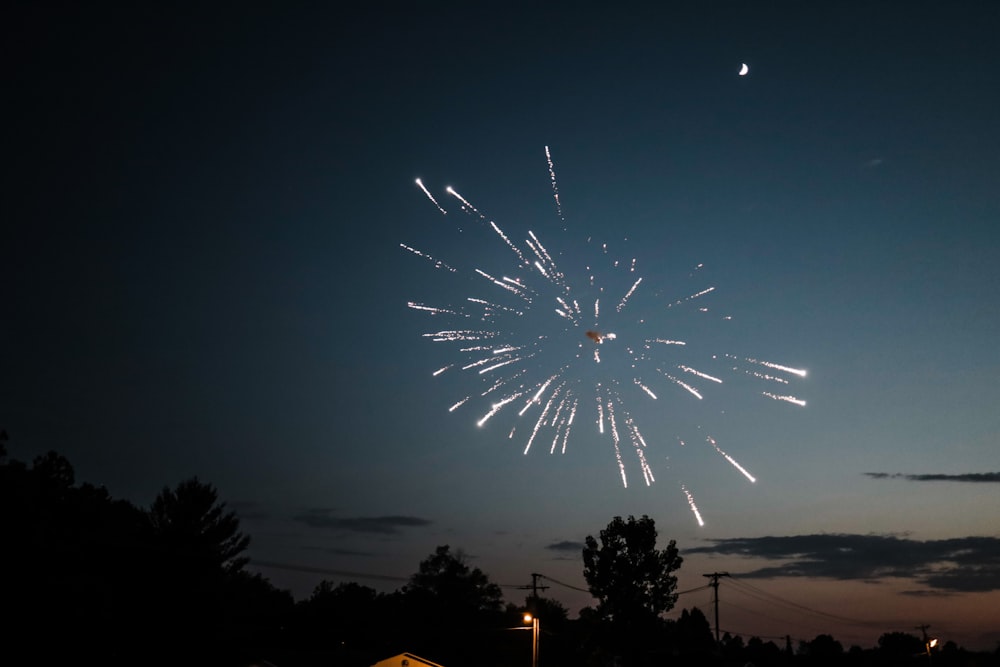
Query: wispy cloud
[[385, 525], [566, 545], [987, 477], [963, 564]]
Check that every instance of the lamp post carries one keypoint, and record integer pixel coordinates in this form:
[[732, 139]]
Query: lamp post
[[533, 620], [929, 642]]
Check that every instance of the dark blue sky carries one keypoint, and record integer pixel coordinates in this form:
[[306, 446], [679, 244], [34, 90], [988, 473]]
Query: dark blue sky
[[202, 276]]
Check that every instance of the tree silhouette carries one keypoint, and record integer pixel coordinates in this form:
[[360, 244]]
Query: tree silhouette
[[346, 616], [445, 580], [900, 646], [693, 634], [452, 608], [190, 521], [634, 584], [632, 580], [70, 564], [196, 547], [823, 650]]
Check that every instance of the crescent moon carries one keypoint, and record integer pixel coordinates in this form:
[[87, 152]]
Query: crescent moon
[[744, 69]]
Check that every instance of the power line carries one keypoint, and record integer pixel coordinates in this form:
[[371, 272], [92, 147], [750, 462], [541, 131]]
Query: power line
[[694, 590], [555, 581], [749, 589]]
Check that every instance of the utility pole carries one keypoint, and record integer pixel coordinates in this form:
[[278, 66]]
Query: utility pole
[[534, 587], [534, 584], [715, 584]]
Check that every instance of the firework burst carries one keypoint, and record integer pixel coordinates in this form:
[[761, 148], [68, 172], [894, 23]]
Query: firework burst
[[560, 339]]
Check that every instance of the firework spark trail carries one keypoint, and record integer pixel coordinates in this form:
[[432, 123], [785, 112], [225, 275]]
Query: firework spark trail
[[773, 378], [645, 389], [438, 264], [501, 382], [490, 306], [640, 444], [647, 472], [459, 334], [541, 419], [628, 294], [505, 363], [497, 407], [510, 244], [545, 264], [569, 424], [441, 370], [567, 311], [486, 360], [559, 416], [433, 310], [564, 416], [681, 383], [778, 367], [786, 399], [731, 460], [663, 341], [616, 440], [691, 297], [555, 188], [465, 203], [508, 285], [694, 508], [704, 376], [459, 404], [535, 399], [764, 376], [600, 415], [431, 197]]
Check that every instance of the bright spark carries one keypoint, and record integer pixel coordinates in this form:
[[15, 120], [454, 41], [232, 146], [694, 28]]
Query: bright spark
[[431, 197], [438, 264], [731, 460], [628, 294], [704, 376], [786, 399], [694, 508], [555, 188]]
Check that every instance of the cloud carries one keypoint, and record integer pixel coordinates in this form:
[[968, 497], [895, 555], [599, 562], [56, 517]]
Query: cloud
[[964, 564], [385, 525], [993, 477], [566, 545]]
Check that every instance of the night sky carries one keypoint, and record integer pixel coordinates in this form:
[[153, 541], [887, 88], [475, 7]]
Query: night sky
[[202, 275]]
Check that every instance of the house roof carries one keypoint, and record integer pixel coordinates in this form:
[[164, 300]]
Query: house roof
[[405, 660]]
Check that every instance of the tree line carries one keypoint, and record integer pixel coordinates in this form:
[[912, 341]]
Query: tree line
[[89, 577]]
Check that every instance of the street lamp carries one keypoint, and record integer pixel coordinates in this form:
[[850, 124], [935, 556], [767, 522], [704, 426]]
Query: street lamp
[[533, 620], [929, 642]]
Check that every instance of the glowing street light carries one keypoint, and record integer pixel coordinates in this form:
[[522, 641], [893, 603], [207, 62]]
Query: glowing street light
[[533, 620], [929, 642]]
